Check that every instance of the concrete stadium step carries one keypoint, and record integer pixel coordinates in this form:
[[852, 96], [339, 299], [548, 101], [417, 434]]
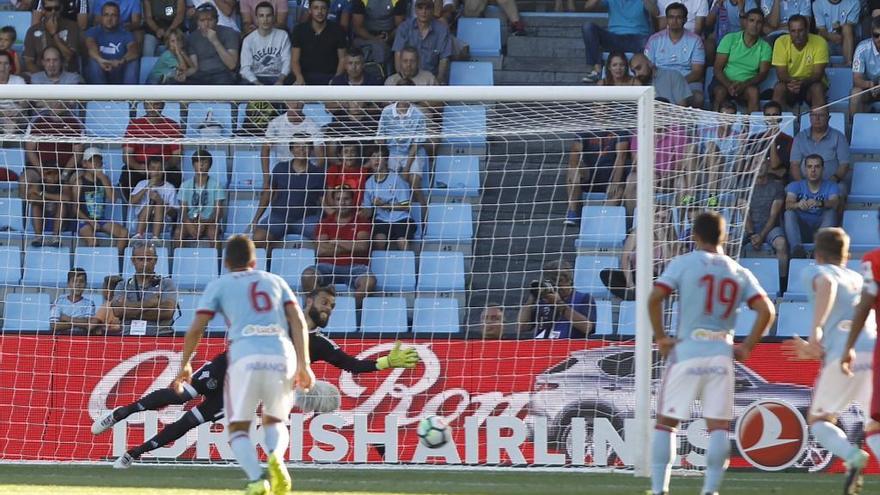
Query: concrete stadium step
[[562, 20], [526, 78], [554, 31], [529, 46], [544, 64]]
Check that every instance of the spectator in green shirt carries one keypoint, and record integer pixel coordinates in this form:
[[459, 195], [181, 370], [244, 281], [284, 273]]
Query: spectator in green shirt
[[742, 63]]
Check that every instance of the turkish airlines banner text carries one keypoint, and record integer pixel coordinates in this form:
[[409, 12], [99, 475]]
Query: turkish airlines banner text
[[508, 402]]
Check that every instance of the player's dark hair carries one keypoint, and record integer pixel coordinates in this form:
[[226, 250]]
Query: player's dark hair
[[709, 227], [323, 289], [832, 243], [76, 272], [815, 156], [677, 6], [265, 5], [240, 251], [756, 11]]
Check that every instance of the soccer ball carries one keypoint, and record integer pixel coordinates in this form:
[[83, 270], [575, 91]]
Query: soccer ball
[[433, 432]]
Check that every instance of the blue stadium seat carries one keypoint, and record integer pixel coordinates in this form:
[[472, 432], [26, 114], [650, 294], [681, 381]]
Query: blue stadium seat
[[838, 121], [247, 171], [766, 270], [147, 64], [26, 312], [98, 262], [188, 304], [602, 227], [794, 319], [21, 21], [586, 274], [435, 315], [840, 83], [170, 110], [289, 264], [219, 168], [198, 117], [865, 129], [343, 319], [745, 318], [113, 163], [384, 315], [10, 265], [626, 319], [193, 268], [107, 119], [441, 271], [863, 229], [456, 177], [12, 225], [471, 74], [239, 216], [604, 323], [13, 159], [450, 222], [482, 35], [317, 113], [865, 183], [395, 271], [46, 267], [795, 291], [163, 266], [464, 124], [758, 123], [262, 261]]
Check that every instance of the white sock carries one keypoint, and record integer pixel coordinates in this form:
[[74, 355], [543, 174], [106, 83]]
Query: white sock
[[832, 438], [662, 453], [872, 438], [245, 454], [276, 437], [717, 453]]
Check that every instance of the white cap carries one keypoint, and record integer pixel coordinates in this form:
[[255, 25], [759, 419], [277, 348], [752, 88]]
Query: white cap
[[90, 153]]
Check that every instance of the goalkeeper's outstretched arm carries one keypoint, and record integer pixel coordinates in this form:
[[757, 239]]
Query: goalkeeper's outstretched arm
[[324, 349]]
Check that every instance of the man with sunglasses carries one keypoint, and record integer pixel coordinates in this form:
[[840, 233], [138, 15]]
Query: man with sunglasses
[[866, 71], [54, 30]]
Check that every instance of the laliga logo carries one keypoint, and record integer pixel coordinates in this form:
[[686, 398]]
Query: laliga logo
[[771, 434]]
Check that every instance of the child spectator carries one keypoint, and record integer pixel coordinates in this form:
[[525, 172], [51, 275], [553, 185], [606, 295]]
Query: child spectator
[[388, 195], [46, 201], [105, 315], [8, 36], [172, 65], [154, 201], [201, 202], [93, 192], [72, 313]]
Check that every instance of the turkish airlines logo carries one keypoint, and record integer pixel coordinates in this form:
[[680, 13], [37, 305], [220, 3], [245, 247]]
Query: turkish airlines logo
[[771, 434]]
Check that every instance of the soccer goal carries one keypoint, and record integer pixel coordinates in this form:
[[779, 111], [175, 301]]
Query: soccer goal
[[489, 228]]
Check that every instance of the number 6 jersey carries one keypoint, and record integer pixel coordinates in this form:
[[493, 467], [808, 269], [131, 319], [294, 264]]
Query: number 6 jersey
[[710, 288], [253, 303]]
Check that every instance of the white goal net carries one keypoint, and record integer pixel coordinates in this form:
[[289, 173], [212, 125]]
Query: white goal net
[[494, 232]]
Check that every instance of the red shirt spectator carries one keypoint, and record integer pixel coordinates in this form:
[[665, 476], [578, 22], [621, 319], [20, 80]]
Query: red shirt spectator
[[152, 125], [56, 121], [349, 171], [330, 229]]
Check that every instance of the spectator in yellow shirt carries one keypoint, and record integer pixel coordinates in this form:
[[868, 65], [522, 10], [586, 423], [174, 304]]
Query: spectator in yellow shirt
[[800, 59]]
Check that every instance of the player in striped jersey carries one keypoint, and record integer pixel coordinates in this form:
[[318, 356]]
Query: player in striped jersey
[[267, 357], [711, 286]]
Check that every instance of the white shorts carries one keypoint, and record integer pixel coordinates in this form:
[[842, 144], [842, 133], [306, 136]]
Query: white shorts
[[418, 167], [834, 391], [709, 379], [255, 379]]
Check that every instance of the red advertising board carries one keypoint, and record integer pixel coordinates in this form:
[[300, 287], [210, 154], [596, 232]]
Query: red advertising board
[[506, 401]]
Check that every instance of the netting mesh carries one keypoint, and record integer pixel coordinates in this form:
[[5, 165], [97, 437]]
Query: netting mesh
[[451, 226]]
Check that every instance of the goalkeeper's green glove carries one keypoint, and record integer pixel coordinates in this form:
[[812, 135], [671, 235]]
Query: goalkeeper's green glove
[[398, 358]]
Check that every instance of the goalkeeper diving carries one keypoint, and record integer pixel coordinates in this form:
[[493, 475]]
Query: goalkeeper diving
[[207, 381]]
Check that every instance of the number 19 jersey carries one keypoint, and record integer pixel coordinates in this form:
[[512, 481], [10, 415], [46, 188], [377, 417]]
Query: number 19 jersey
[[711, 288], [253, 302]]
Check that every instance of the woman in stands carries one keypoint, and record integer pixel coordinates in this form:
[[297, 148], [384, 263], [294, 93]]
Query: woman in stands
[[617, 71]]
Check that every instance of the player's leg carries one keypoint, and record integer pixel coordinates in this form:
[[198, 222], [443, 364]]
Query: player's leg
[[677, 393], [153, 401], [241, 394], [717, 399], [277, 403]]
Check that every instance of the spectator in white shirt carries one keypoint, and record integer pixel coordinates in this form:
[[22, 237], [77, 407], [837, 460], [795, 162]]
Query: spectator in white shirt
[[12, 119], [265, 53]]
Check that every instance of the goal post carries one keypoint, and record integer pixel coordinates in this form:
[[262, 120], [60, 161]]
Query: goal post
[[677, 161]]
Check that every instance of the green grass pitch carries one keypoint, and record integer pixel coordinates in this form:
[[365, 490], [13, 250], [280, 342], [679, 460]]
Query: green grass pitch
[[192, 480]]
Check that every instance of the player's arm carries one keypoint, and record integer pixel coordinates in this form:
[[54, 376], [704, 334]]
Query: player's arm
[[190, 342], [863, 309], [323, 350], [299, 335], [655, 311], [825, 290], [766, 314]]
